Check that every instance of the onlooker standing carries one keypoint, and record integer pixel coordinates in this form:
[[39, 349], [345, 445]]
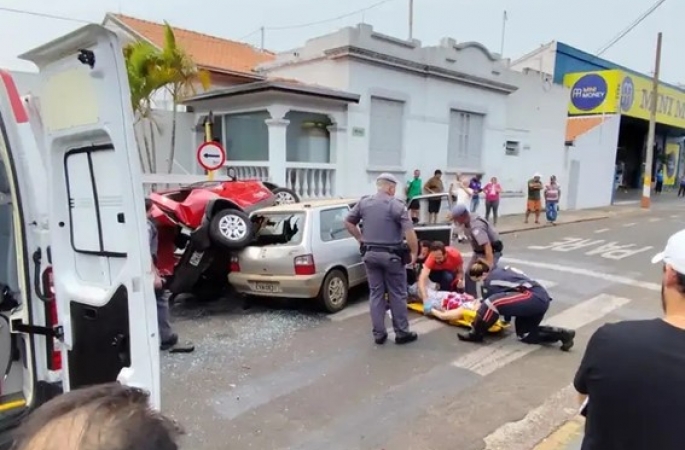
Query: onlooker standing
[[631, 377], [492, 191], [434, 186], [681, 191], [476, 188], [460, 194], [534, 202], [413, 189], [659, 181], [552, 196], [168, 339]]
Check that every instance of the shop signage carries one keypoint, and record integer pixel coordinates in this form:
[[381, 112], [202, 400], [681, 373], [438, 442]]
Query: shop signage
[[637, 97], [593, 92], [589, 92], [619, 92]]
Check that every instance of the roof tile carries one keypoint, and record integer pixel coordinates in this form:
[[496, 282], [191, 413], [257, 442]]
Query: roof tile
[[208, 52]]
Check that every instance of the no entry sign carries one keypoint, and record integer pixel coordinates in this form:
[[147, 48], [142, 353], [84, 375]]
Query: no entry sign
[[211, 156]]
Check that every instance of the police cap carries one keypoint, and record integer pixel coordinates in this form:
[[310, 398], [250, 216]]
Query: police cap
[[459, 210], [385, 176]]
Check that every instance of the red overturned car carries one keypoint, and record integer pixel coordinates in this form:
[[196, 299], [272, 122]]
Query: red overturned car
[[199, 226]]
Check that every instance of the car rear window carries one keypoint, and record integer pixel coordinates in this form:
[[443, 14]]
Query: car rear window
[[279, 228]]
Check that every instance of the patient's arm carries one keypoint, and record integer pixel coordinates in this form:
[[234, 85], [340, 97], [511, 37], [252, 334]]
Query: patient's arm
[[448, 316]]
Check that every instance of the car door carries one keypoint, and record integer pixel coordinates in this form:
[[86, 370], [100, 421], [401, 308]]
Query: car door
[[338, 246], [102, 266]]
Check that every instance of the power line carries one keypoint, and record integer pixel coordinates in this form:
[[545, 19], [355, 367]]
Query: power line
[[331, 19], [43, 15], [630, 27]]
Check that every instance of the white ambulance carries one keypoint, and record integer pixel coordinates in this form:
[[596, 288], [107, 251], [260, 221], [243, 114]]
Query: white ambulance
[[77, 305]]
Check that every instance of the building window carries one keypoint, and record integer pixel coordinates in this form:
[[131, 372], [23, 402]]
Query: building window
[[246, 136], [386, 132], [308, 140], [512, 148], [465, 141]]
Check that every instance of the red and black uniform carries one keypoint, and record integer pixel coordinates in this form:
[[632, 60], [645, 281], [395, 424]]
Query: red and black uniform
[[509, 292]]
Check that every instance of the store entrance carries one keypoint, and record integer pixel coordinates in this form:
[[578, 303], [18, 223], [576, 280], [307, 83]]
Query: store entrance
[[630, 156]]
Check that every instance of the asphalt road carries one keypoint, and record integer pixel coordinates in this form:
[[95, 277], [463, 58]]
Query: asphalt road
[[273, 377]]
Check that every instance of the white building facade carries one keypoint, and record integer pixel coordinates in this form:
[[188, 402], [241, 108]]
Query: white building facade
[[453, 107]]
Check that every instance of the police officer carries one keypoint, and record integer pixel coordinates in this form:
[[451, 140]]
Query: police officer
[[484, 240], [385, 224], [509, 292]]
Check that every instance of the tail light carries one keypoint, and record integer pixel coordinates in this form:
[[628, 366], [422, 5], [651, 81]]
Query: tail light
[[304, 265], [235, 265], [53, 353]]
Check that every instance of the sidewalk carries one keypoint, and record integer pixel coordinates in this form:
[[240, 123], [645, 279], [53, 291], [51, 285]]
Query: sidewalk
[[514, 223], [568, 436]]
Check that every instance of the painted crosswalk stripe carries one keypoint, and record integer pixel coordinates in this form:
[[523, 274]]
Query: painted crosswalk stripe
[[611, 278], [655, 219], [629, 224], [602, 230], [490, 358]]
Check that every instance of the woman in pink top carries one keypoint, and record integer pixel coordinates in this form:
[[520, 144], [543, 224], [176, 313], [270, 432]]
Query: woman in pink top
[[492, 191]]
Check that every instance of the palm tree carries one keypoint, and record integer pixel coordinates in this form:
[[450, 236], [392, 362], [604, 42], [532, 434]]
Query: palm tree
[[183, 75], [146, 75]]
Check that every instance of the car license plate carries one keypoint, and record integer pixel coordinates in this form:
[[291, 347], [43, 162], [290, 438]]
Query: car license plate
[[195, 258], [270, 288]]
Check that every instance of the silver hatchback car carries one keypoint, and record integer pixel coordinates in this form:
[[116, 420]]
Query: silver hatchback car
[[301, 250]]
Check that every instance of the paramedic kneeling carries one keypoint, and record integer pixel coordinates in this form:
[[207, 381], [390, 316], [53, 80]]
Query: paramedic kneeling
[[509, 292], [445, 266], [484, 240]]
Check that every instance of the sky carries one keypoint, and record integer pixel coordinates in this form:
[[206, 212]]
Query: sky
[[585, 24]]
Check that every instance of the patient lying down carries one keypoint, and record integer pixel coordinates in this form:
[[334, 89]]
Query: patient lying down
[[444, 305]]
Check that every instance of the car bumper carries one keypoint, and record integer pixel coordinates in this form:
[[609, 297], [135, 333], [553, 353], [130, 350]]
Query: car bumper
[[289, 286]]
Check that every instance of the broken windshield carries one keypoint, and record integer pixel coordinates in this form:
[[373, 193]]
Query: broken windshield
[[278, 228]]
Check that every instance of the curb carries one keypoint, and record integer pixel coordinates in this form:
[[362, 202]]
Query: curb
[[568, 222], [563, 436]]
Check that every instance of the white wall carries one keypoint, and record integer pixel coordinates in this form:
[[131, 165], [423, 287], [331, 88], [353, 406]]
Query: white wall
[[185, 160], [535, 114], [595, 152], [541, 60], [427, 110], [536, 117]]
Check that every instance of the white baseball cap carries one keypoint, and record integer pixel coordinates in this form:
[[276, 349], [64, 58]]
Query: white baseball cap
[[674, 253]]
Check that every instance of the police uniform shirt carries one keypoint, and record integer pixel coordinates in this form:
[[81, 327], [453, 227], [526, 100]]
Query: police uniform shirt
[[506, 279], [385, 219], [479, 232]]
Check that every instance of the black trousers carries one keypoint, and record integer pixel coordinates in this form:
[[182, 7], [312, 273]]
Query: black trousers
[[528, 307]]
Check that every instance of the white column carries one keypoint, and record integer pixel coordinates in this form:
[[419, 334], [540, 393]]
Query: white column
[[338, 141], [277, 150]]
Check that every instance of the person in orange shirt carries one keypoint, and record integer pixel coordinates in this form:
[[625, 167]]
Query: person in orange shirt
[[445, 266]]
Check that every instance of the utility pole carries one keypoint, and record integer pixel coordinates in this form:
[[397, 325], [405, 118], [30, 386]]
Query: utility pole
[[411, 19], [504, 30], [649, 154], [262, 37]]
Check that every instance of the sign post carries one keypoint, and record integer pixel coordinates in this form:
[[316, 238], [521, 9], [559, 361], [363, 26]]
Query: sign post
[[211, 156], [649, 154], [209, 122]]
